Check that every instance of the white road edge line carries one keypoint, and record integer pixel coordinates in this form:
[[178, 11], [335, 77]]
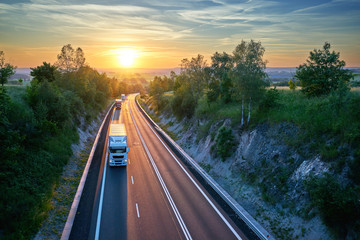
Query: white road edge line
[[132, 180], [137, 210], [98, 221], [163, 185], [197, 186]]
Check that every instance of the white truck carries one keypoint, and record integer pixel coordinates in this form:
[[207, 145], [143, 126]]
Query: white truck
[[118, 148], [118, 103], [123, 97]]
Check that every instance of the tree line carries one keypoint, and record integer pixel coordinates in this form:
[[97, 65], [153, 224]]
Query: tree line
[[37, 129], [240, 77]]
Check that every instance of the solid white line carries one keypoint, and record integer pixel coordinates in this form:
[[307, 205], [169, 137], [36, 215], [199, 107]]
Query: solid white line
[[163, 185], [120, 116], [97, 233], [112, 119], [197, 186], [132, 179], [71, 217], [137, 210]]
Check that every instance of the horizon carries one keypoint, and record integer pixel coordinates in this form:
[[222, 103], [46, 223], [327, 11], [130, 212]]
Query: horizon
[[156, 34]]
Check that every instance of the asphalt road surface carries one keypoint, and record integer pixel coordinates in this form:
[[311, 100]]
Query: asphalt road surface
[[153, 197]]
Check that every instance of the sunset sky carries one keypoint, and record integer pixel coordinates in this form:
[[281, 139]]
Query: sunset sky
[[162, 32]]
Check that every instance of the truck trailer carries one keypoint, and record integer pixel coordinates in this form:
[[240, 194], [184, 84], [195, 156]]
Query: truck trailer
[[118, 148]]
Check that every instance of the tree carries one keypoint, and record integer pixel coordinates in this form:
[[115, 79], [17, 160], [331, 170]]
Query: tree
[[6, 69], [323, 72], [194, 71], [292, 84], [248, 74], [222, 84], [70, 60], [46, 72]]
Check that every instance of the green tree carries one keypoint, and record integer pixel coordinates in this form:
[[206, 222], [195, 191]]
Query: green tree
[[184, 102], [323, 72], [70, 60], [6, 69], [248, 74], [194, 71], [45, 72], [222, 63], [292, 84]]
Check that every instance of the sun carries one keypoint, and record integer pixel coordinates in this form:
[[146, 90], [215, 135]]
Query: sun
[[127, 57]]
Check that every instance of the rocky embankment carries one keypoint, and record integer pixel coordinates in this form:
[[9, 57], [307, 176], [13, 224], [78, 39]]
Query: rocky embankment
[[265, 174]]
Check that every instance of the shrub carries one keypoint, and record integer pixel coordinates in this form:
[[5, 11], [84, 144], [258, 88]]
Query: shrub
[[338, 206], [270, 100], [225, 142]]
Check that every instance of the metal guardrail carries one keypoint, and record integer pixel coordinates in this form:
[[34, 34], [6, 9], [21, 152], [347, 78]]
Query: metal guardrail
[[257, 230]]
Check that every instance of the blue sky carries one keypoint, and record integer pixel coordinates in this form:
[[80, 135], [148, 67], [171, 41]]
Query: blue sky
[[164, 32]]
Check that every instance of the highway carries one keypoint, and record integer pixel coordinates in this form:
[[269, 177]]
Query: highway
[[154, 197]]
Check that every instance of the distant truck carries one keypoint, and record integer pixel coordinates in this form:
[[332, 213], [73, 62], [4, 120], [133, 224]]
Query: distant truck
[[118, 148], [123, 97], [118, 103]]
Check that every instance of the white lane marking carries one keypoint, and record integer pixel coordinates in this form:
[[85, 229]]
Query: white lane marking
[[97, 233], [132, 180], [163, 185], [129, 160], [120, 116], [112, 119], [197, 186], [137, 210]]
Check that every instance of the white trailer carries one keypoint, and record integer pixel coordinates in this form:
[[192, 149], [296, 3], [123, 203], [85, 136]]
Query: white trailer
[[118, 148]]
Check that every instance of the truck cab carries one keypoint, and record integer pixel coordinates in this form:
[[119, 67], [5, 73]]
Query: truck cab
[[117, 145]]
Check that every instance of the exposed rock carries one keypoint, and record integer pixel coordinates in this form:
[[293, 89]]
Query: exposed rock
[[263, 156], [313, 167]]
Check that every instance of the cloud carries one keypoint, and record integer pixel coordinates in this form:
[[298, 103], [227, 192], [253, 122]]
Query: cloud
[[189, 26]]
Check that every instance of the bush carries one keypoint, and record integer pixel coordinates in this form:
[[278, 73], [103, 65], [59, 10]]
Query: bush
[[270, 100], [225, 142], [339, 206]]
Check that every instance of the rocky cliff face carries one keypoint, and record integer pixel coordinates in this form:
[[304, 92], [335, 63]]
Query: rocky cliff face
[[265, 174]]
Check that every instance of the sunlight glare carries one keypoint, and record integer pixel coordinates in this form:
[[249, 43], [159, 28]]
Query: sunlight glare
[[127, 57]]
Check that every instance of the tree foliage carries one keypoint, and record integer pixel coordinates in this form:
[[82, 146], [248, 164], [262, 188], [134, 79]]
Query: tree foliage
[[238, 77], [69, 59], [45, 72], [248, 74], [323, 72], [221, 84], [6, 69]]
